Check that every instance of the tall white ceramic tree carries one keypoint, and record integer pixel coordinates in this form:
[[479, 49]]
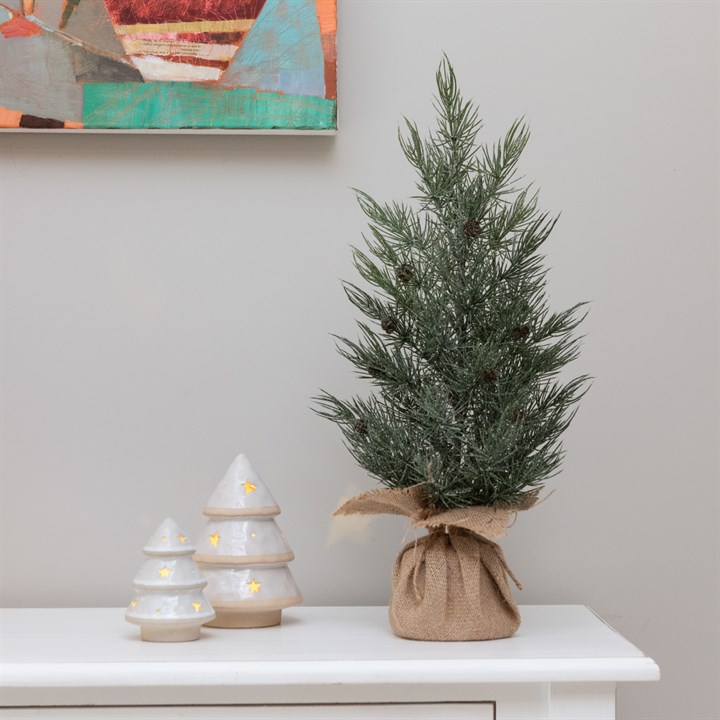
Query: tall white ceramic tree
[[169, 604], [244, 554]]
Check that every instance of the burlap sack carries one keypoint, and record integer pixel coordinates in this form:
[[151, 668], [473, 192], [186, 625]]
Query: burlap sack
[[452, 583]]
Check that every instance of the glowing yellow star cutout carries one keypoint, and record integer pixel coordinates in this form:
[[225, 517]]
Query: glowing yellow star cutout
[[133, 602], [214, 539], [182, 539], [254, 586], [249, 487], [197, 606], [163, 538], [164, 572]]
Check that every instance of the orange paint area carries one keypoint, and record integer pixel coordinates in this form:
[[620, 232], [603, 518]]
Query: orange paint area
[[9, 118], [327, 17], [18, 26]]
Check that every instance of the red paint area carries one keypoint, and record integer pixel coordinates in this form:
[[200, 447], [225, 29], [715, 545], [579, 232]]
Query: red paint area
[[330, 56], [131, 12], [203, 62], [19, 27], [200, 37]]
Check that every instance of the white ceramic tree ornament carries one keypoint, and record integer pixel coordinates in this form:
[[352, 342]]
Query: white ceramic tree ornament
[[243, 553], [169, 603]]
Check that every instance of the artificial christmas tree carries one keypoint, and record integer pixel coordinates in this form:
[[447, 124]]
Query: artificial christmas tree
[[464, 355], [243, 553], [169, 604]]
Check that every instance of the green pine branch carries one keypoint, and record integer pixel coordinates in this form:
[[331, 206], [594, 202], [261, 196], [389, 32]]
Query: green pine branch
[[458, 343]]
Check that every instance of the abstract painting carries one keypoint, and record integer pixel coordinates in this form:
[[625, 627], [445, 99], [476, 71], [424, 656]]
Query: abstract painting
[[172, 65]]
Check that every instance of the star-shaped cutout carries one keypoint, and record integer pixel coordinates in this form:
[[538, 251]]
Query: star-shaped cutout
[[197, 606], [214, 539], [254, 586], [249, 487], [164, 572], [133, 602], [163, 538], [182, 539]]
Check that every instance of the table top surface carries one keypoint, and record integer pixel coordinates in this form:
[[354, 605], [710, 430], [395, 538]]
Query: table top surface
[[97, 635], [95, 647]]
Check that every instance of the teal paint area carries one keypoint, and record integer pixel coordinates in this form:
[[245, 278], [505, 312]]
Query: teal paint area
[[283, 52], [176, 105]]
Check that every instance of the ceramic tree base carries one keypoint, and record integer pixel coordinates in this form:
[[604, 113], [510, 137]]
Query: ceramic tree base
[[244, 618], [168, 632]]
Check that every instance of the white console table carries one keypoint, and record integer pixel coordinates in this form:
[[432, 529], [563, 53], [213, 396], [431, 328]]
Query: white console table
[[322, 663]]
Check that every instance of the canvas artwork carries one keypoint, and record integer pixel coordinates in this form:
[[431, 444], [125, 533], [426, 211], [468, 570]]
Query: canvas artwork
[[168, 64]]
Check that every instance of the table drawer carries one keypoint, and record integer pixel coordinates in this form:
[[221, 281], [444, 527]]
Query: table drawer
[[389, 711]]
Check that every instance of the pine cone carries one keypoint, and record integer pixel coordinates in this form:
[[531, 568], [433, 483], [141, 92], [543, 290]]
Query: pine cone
[[389, 324], [472, 229], [490, 376], [517, 415], [360, 427], [404, 273], [520, 333]]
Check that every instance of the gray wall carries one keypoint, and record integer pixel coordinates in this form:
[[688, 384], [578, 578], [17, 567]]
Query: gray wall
[[167, 303]]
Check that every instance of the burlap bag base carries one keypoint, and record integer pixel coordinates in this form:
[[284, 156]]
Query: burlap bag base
[[453, 583], [452, 586]]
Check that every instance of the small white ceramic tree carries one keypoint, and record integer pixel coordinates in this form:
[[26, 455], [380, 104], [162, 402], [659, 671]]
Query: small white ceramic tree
[[243, 553], [169, 604]]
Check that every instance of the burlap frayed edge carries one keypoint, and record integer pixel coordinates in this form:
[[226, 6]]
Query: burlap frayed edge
[[483, 520]]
